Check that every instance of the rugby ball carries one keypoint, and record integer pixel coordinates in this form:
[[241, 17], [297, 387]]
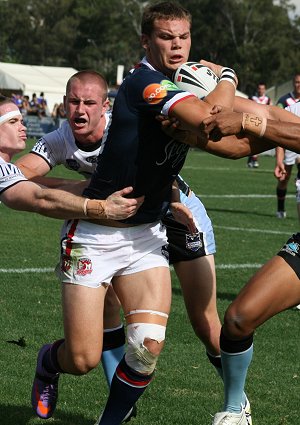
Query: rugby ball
[[195, 78]]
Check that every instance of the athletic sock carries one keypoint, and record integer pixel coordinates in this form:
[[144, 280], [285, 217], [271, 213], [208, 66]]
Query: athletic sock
[[236, 358], [281, 194], [113, 351], [50, 361], [216, 362], [126, 388]]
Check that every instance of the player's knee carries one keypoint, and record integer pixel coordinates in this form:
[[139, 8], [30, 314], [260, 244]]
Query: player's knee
[[145, 342], [84, 362], [237, 322]]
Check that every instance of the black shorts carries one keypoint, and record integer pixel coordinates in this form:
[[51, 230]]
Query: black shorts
[[182, 246], [290, 252]]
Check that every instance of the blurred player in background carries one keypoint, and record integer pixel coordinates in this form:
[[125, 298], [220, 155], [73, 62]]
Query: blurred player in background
[[261, 98], [285, 159]]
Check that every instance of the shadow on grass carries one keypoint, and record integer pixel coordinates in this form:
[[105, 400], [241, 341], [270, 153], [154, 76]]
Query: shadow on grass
[[12, 415]]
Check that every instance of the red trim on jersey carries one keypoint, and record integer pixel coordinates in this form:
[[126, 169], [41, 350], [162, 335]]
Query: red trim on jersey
[[69, 237], [179, 100]]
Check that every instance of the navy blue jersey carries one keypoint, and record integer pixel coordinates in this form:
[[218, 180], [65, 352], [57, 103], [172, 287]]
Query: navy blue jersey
[[137, 152], [287, 100]]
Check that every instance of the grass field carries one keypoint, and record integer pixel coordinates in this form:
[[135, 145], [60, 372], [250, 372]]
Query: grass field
[[241, 203]]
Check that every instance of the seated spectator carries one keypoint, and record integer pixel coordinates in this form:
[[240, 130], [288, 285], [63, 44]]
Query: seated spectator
[[42, 102], [33, 106], [25, 105], [58, 111]]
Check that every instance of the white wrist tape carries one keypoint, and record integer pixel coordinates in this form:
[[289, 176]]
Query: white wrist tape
[[228, 74]]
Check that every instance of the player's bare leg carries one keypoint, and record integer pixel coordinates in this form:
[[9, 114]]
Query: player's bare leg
[[146, 299]]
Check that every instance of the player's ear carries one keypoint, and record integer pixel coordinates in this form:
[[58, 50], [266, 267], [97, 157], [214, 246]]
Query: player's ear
[[145, 41], [105, 105]]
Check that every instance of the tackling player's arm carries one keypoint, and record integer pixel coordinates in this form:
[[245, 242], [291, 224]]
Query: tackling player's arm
[[35, 168], [28, 196]]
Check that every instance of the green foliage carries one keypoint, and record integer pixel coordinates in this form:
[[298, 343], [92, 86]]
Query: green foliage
[[256, 37], [186, 389]]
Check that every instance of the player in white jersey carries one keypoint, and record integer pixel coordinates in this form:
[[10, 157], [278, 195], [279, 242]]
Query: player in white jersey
[[191, 255], [17, 192], [285, 159]]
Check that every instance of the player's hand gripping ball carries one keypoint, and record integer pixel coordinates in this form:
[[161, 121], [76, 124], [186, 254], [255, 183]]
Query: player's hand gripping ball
[[195, 78]]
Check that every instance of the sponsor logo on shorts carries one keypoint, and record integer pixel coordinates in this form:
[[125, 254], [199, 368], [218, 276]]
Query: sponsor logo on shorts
[[193, 241], [154, 93], [65, 263], [292, 248], [84, 266]]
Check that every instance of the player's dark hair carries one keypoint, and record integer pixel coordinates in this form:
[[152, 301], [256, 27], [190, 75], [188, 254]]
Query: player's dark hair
[[89, 75], [165, 10], [4, 100]]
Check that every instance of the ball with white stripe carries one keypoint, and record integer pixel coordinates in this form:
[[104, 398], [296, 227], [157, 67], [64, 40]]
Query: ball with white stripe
[[195, 78]]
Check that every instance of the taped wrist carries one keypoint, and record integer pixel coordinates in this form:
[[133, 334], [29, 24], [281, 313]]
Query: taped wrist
[[94, 208], [254, 124], [228, 74]]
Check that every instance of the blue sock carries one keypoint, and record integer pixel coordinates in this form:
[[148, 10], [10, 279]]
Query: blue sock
[[236, 358], [126, 388], [113, 351], [217, 363]]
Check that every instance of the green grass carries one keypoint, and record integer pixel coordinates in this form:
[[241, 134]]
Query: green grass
[[186, 389]]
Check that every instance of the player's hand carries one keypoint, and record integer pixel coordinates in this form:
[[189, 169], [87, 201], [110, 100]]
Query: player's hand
[[280, 171], [118, 207], [183, 215], [223, 124], [171, 127], [217, 69]]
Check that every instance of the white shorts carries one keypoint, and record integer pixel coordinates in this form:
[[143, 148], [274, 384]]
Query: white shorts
[[290, 157], [91, 254]]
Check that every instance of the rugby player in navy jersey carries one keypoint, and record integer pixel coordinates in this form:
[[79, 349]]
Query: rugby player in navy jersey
[[129, 252], [76, 145]]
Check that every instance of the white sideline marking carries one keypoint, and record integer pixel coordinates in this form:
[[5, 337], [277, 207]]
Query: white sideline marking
[[250, 195], [49, 270], [241, 229]]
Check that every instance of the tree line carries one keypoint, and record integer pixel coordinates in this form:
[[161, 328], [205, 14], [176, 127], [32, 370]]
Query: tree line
[[258, 38]]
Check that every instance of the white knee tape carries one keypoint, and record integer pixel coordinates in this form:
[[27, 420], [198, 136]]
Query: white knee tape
[[138, 357]]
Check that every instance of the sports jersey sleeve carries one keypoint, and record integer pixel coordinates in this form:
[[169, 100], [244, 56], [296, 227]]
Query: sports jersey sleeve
[[153, 91], [9, 175], [51, 147]]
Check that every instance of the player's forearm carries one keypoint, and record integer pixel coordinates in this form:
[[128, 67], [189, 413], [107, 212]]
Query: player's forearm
[[284, 134], [63, 205]]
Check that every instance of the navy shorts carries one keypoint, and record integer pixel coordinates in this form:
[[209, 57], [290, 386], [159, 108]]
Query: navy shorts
[[290, 252]]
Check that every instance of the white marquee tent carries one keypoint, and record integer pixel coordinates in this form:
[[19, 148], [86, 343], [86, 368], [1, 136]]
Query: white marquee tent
[[31, 79]]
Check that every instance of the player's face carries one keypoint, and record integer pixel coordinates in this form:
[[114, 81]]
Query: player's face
[[85, 110], [12, 132], [297, 86], [261, 89], [169, 44]]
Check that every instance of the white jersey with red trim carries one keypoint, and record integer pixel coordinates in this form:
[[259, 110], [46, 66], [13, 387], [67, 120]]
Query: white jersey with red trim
[[10, 175], [59, 148], [263, 100]]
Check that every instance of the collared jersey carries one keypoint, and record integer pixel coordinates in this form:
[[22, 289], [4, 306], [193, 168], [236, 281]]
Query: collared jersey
[[59, 147], [9, 175], [137, 152], [287, 100]]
